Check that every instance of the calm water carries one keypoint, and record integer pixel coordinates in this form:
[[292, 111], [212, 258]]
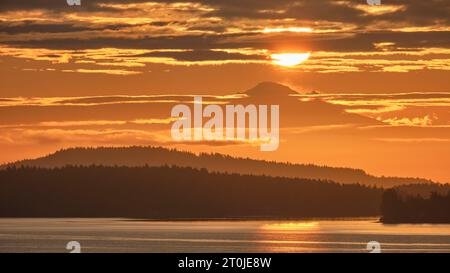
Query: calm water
[[122, 235]]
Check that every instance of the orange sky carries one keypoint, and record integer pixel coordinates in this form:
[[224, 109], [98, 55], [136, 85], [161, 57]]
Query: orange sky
[[372, 82]]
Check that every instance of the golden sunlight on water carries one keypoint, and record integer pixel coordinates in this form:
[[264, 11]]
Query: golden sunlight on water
[[291, 226], [128, 235]]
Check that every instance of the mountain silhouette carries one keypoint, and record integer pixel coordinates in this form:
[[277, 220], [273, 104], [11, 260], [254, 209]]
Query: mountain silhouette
[[158, 156], [270, 90], [295, 112]]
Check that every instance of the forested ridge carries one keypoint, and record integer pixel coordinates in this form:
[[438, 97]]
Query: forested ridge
[[159, 156], [170, 192], [399, 208]]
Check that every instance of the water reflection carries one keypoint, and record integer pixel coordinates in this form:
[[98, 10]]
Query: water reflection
[[291, 226], [124, 235]]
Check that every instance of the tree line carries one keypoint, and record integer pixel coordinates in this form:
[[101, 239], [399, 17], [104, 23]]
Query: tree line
[[158, 156], [169, 192], [399, 208]]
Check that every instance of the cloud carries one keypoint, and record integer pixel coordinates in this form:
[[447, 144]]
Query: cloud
[[413, 140], [119, 72], [192, 25], [39, 27], [88, 137], [402, 11], [202, 55], [359, 42], [417, 121], [212, 32]]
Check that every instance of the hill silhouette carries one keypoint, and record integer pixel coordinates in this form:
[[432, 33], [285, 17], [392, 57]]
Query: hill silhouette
[[158, 156], [175, 193]]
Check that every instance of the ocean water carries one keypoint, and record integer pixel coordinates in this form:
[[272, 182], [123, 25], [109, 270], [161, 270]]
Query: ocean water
[[127, 235]]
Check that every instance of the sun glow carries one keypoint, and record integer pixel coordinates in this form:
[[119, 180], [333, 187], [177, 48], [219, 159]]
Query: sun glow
[[287, 29], [289, 59]]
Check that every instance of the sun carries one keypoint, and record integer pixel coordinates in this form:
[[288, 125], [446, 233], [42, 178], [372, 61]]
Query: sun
[[289, 59]]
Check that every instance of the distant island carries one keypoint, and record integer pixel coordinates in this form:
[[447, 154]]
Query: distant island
[[159, 156], [159, 183]]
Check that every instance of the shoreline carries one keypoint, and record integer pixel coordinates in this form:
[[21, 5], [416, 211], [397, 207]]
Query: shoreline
[[234, 219]]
